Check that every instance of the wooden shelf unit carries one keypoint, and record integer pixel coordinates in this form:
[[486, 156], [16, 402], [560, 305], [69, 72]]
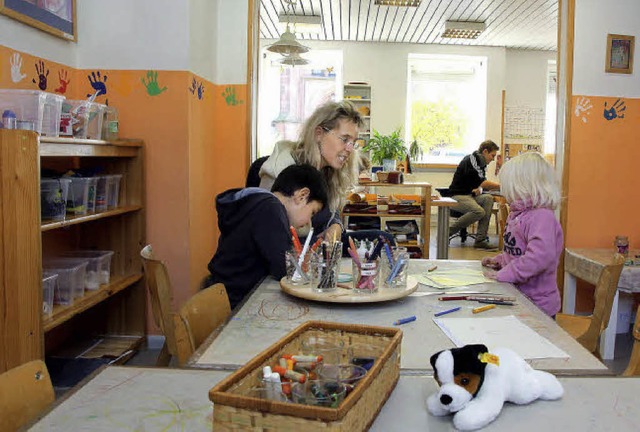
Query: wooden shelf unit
[[116, 308], [425, 216], [360, 96]]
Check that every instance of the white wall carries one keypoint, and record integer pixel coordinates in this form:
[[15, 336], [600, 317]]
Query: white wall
[[231, 42], [526, 77], [203, 27], [594, 19]]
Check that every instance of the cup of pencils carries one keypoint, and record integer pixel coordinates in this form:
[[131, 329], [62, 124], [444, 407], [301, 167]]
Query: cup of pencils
[[365, 276], [325, 265], [395, 266]]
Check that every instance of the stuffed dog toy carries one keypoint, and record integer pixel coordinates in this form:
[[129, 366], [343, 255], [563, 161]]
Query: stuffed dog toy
[[475, 384]]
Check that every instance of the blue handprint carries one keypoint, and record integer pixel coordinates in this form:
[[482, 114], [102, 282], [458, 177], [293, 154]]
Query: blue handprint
[[616, 110], [98, 82], [197, 88]]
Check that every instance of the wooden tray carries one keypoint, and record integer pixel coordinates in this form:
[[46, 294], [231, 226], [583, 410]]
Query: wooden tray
[[343, 295]]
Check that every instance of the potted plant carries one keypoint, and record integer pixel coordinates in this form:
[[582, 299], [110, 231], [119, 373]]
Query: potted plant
[[385, 150]]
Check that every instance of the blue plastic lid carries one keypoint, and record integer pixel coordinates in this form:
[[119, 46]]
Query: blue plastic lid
[[8, 114]]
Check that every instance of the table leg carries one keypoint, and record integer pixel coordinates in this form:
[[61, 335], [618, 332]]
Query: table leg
[[608, 339], [569, 296], [442, 247]]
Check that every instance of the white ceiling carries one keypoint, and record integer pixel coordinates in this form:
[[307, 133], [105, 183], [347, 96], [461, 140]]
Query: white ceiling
[[519, 24]]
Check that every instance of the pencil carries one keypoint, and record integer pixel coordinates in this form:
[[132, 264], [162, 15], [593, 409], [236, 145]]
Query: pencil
[[483, 308], [447, 311], [405, 320], [497, 302]]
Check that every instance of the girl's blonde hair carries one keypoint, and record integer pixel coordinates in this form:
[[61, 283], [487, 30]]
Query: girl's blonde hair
[[307, 150], [530, 177]]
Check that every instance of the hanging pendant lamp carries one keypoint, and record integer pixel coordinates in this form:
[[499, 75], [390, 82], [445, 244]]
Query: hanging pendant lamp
[[294, 60], [287, 44]]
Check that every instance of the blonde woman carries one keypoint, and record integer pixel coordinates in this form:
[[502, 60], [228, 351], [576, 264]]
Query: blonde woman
[[327, 142], [533, 236]]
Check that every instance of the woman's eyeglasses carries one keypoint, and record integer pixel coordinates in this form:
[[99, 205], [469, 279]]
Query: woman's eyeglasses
[[345, 140]]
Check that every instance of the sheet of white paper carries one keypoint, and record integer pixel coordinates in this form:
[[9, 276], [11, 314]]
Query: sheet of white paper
[[443, 279], [505, 331]]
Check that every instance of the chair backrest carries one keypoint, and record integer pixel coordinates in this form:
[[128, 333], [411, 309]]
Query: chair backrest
[[198, 317], [253, 175], [25, 391], [604, 294], [633, 369], [160, 293]]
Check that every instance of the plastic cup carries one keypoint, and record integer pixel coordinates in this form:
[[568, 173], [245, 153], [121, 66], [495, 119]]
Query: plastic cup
[[324, 393], [325, 267], [394, 274], [347, 374], [365, 277], [329, 350]]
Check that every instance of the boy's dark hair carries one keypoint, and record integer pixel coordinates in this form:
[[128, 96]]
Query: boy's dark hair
[[489, 146], [296, 177]]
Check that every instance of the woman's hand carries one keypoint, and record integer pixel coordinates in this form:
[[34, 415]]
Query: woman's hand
[[334, 232], [491, 262]]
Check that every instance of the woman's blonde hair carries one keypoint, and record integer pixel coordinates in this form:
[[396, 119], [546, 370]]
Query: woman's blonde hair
[[530, 177], [307, 150]]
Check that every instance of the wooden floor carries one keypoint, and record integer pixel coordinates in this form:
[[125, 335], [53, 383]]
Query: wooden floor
[[463, 251]]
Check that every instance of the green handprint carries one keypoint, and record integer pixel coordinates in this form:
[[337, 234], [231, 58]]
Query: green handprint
[[229, 95], [151, 83]]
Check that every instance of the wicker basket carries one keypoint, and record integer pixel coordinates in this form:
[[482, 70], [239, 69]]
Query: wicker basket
[[233, 411]]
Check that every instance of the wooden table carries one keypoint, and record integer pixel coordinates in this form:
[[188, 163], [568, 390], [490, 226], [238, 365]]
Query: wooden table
[[589, 264], [154, 399], [268, 314]]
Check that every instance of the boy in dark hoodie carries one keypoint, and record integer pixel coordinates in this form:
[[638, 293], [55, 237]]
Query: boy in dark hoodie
[[254, 228]]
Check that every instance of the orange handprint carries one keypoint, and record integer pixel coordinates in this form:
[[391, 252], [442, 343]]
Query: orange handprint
[[63, 76]]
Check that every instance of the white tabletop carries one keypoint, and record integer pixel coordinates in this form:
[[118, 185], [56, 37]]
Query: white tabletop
[[268, 314]]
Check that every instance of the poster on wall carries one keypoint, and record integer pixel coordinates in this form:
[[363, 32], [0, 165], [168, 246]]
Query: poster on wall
[[57, 17]]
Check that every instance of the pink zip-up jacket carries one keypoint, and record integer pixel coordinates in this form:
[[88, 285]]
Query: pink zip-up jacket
[[532, 248]]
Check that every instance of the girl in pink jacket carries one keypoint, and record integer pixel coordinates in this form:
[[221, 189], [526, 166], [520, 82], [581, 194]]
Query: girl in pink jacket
[[533, 236]]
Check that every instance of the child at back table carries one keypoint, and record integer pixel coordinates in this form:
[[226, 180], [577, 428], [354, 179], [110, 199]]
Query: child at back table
[[533, 236]]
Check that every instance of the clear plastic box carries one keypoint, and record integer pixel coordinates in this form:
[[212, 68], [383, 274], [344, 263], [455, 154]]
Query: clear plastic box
[[99, 267], [34, 109], [102, 192], [113, 190], [49, 282], [91, 194], [110, 125], [82, 119], [78, 196], [53, 198], [71, 276]]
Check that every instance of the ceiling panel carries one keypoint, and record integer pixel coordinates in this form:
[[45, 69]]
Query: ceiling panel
[[521, 24]]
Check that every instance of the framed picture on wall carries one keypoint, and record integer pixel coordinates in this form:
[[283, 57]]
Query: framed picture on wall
[[57, 17], [619, 54]]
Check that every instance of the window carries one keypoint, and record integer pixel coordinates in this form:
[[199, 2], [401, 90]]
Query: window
[[288, 95], [446, 105], [550, 109]]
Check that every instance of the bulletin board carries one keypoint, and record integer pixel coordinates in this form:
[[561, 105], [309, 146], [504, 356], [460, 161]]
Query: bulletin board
[[523, 130]]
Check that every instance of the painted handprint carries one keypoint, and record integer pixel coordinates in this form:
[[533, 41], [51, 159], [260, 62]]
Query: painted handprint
[[16, 66], [583, 108], [63, 77], [98, 82], [616, 111], [229, 95], [197, 88], [42, 75], [151, 83]]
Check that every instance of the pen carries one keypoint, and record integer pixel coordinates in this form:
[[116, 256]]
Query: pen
[[453, 298], [405, 320], [483, 308], [497, 302], [447, 311]]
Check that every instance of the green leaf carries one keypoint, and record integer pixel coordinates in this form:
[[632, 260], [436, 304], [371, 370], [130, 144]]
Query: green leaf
[[386, 146]]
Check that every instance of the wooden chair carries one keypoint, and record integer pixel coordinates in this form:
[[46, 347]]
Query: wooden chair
[[25, 391], [198, 317], [587, 329], [160, 293], [634, 362]]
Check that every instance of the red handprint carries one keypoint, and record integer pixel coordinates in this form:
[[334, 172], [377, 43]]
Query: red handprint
[[63, 76]]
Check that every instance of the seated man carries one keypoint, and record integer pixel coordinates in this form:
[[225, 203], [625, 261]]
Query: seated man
[[254, 228], [466, 187]]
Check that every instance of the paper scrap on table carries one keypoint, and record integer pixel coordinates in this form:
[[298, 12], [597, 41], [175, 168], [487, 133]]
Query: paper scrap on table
[[505, 331], [443, 279]]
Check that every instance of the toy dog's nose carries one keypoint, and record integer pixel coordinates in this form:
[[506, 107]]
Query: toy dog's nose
[[445, 399]]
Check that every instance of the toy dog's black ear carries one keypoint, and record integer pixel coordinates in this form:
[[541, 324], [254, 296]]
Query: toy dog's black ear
[[433, 359], [477, 348]]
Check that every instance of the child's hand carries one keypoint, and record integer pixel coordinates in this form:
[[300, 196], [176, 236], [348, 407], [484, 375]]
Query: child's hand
[[490, 273], [491, 263]]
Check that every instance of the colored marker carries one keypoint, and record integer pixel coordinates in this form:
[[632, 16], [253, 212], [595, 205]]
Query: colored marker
[[497, 302], [483, 308], [432, 268], [452, 298], [405, 320], [447, 311]]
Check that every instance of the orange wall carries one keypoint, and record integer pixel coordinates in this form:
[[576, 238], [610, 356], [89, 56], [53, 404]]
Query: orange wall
[[195, 148], [603, 173]]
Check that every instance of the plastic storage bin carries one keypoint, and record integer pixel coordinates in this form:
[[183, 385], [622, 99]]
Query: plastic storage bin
[[71, 276], [99, 267], [78, 196], [53, 198], [110, 124], [34, 109], [102, 193], [113, 190], [49, 282], [82, 119], [91, 195]]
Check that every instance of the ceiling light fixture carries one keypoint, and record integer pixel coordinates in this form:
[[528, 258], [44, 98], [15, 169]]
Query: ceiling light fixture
[[287, 45], [302, 23], [294, 60], [462, 29], [407, 3]]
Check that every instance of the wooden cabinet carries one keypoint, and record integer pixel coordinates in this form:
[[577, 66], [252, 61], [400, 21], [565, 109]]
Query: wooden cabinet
[[360, 96], [118, 308], [425, 217]]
